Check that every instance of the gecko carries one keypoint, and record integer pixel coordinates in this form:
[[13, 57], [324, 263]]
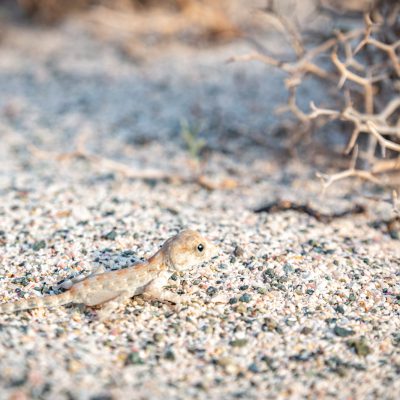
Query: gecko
[[108, 289]]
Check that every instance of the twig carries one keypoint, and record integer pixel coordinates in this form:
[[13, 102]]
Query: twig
[[383, 166], [286, 205], [109, 164], [125, 170], [288, 28], [328, 180], [362, 122], [390, 49], [386, 144], [305, 63], [366, 83]]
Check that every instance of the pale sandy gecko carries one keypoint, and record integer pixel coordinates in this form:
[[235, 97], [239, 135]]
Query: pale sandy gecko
[[178, 253]]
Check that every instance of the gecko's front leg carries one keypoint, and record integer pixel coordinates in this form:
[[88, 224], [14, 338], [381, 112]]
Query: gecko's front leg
[[155, 290]]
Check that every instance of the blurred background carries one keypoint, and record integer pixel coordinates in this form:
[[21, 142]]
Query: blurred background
[[148, 83]]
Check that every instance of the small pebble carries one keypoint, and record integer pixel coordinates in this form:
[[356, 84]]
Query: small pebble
[[245, 298], [112, 235], [39, 245], [239, 342], [212, 291], [342, 332], [169, 355], [133, 359], [238, 251], [360, 347]]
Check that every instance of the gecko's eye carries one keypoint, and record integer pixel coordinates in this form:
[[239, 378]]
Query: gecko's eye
[[200, 247]]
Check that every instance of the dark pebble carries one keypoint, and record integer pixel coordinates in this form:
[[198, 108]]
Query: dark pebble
[[245, 298], [268, 274], [339, 309], [396, 339], [169, 355], [110, 235], [270, 324], [352, 297], [359, 346], [342, 332], [24, 281], [133, 359], [287, 268], [270, 362], [40, 244], [108, 213], [127, 253], [306, 330], [303, 356], [238, 251], [254, 368], [101, 397], [239, 342], [211, 291], [19, 381]]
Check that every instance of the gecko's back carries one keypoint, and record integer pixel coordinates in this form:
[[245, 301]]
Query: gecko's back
[[93, 290]]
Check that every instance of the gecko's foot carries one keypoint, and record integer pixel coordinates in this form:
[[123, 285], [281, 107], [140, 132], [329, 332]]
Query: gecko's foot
[[180, 302], [178, 307], [105, 315]]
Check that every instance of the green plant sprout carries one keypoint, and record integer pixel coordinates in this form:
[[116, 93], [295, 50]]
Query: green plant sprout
[[190, 135]]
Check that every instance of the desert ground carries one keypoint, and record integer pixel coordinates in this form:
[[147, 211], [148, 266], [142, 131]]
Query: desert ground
[[95, 170]]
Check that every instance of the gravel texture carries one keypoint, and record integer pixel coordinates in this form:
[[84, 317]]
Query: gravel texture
[[293, 308]]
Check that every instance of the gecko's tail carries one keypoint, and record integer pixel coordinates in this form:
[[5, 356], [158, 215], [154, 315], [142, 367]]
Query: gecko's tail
[[36, 302]]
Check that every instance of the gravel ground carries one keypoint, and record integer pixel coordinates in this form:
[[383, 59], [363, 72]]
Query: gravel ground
[[293, 308]]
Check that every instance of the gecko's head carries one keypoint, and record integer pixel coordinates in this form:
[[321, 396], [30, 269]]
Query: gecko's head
[[188, 249]]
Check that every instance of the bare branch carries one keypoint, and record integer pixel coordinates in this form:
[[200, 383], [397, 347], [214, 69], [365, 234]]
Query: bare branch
[[346, 74], [386, 144], [125, 170], [383, 166], [390, 49], [328, 180]]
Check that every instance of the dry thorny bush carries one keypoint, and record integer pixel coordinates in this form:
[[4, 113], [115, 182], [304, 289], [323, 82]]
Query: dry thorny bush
[[363, 67]]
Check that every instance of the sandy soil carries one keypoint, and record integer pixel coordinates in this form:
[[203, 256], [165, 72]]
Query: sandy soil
[[293, 308]]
